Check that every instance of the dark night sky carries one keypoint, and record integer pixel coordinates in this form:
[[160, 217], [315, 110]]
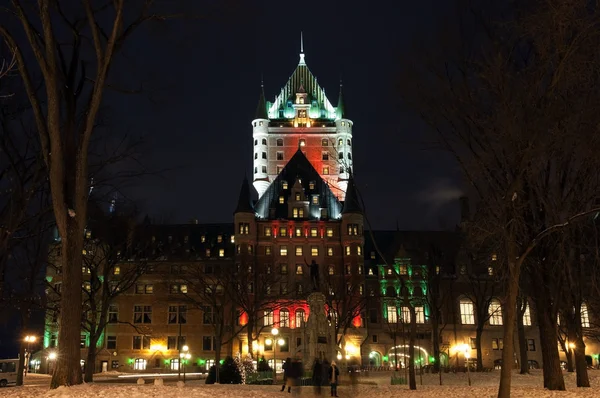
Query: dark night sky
[[204, 77]]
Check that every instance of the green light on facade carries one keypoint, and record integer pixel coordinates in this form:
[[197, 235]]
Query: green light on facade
[[431, 360], [203, 362], [167, 361], [100, 342], [222, 361], [49, 279], [385, 358], [130, 360]]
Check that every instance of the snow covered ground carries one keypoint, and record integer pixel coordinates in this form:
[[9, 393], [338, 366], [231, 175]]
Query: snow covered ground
[[375, 386]]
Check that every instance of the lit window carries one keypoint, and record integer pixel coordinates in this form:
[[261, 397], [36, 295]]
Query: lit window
[[117, 270], [203, 239], [392, 314], [302, 142], [494, 257], [267, 231], [330, 270], [283, 269], [527, 316], [315, 199], [348, 269], [406, 318], [314, 232], [283, 231], [221, 252], [340, 142], [420, 314], [268, 318], [219, 238], [330, 251], [299, 269], [283, 250], [207, 252], [372, 255], [295, 212], [324, 142], [267, 250], [359, 250], [281, 200], [495, 312], [284, 185], [232, 239], [297, 196], [284, 318], [260, 123], [403, 270], [326, 170], [329, 232], [298, 232], [250, 249], [467, 316], [348, 252], [437, 269], [311, 185], [314, 251], [490, 271], [298, 250], [585, 318], [300, 317]]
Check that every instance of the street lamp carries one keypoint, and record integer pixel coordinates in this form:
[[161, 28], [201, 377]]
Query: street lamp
[[51, 357], [467, 356], [274, 342], [183, 356], [29, 340]]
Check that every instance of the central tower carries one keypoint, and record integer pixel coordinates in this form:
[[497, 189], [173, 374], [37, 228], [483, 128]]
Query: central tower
[[301, 117]]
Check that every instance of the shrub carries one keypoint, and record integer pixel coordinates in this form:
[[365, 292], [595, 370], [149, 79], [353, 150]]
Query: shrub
[[229, 373]]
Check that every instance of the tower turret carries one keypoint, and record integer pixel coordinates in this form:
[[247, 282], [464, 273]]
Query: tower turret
[[260, 127]]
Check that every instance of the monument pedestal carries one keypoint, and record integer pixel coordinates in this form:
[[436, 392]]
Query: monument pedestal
[[321, 341]]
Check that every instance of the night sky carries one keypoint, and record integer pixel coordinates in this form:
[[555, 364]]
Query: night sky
[[202, 82]]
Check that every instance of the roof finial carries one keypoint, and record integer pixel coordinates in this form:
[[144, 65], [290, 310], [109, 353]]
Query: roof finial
[[302, 50]]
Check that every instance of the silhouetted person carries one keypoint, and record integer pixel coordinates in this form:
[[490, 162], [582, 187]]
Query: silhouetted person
[[287, 369], [314, 273], [317, 376], [334, 376]]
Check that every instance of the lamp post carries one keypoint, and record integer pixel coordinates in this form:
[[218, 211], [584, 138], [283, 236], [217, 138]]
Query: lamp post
[[273, 342], [29, 340], [183, 356], [467, 356]]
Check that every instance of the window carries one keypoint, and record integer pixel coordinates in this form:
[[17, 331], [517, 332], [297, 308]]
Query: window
[[267, 250], [349, 142], [329, 232], [314, 232], [113, 313], [268, 231], [279, 155], [279, 142], [348, 269], [530, 345], [490, 271], [348, 252], [111, 342], [264, 169], [341, 169], [473, 343], [325, 156], [255, 141], [330, 251], [219, 238], [315, 199], [203, 238], [463, 269], [420, 314], [311, 185], [299, 269], [340, 142], [264, 140], [497, 344], [279, 168], [244, 228], [330, 270], [298, 212], [585, 318], [268, 318], [467, 316], [264, 155], [353, 229], [527, 316], [495, 312], [283, 269], [300, 317], [392, 314], [324, 142], [406, 318], [177, 314], [284, 318], [298, 232], [283, 250], [139, 364], [83, 341], [53, 340], [207, 343], [341, 155], [117, 270], [207, 315], [402, 269], [297, 196], [177, 288], [302, 142], [298, 250], [283, 288], [349, 156], [284, 185], [221, 252], [141, 342], [256, 156], [314, 251], [326, 170], [359, 250], [283, 231], [142, 314]]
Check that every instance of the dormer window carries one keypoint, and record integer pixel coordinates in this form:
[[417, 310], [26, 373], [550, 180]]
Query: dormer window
[[260, 123], [281, 200], [315, 199], [301, 113], [301, 100], [311, 185], [302, 142], [324, 141], [326, 170], [284, 185]]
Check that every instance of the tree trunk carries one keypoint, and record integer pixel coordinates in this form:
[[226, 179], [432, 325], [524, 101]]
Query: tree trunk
[[583, 379], [67, 367], [553, 377], [90, 362], [435, 342], [217, 360], [478, 334], [512, 290], [412, 379], [21, 363], [523, 357]]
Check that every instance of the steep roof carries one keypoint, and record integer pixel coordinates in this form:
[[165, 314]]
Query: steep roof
[[298, 168], [351, 202], [244, 204], [261, 107], [340, 111]]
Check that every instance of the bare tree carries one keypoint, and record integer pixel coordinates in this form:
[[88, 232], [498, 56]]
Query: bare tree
[[509, 93]]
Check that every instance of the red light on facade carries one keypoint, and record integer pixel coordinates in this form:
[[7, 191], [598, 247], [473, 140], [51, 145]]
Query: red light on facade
[[357, 322], [243, 319]]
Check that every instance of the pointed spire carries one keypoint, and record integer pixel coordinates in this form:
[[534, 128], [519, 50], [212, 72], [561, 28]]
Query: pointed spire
[[244, 204], [302, 62], [339, 111], [351, 204], [261, 108]]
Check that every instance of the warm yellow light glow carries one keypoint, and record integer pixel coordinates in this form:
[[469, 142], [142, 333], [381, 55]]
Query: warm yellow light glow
[[275, 331], [351, 349], [463, 348], [254, 345], [30, 339], [268, 341], [52, 356], [339, 356], [188, 355], [571, 345], [185, 348], [158, 347], [281, 342]]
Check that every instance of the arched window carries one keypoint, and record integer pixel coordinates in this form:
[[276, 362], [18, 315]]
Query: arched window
[[280, 142], [527, 315], [341, 155], [340, 142], [264, 141], [284, 318], [300, 318], [349, 156], [467, 315], [139, 364], [585, 318], [495, 312], [349, 142]]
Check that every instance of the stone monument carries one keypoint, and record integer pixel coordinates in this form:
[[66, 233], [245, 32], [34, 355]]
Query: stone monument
[[321, 342]]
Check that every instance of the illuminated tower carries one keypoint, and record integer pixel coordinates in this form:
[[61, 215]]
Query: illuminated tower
[[302, 117]]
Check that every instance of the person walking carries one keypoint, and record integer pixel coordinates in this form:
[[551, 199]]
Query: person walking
[[317, 376], [287, 367], [334, 375]]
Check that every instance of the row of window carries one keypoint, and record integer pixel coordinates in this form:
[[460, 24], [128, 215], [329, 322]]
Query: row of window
[[283, 269], [324, 171], [148, 288], [314, 250], [302, 142], [324, 156]]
